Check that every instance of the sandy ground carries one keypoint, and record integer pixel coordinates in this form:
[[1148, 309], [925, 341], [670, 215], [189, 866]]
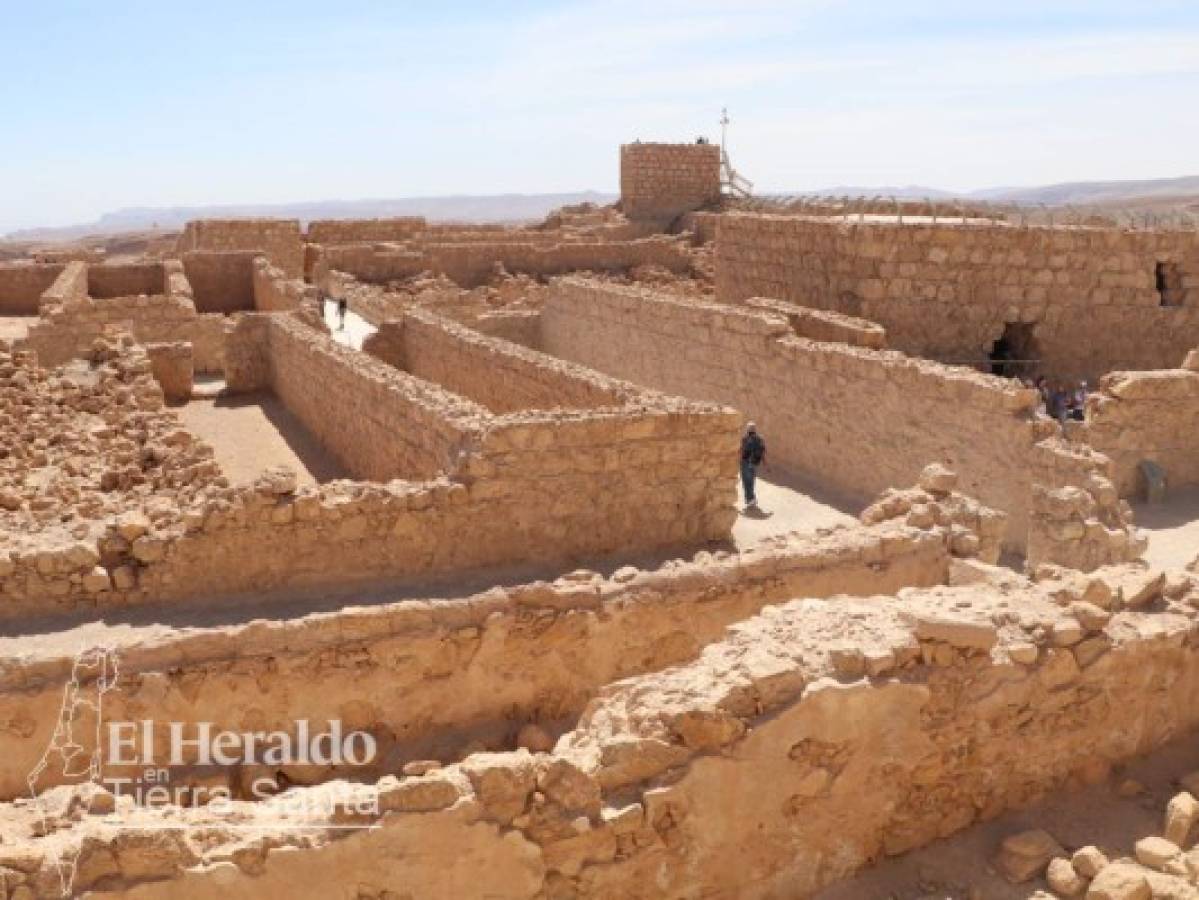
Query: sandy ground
[[356, 329], [251, 432], [1094, 815], [1173, 529], [787, 504], [14, 328]]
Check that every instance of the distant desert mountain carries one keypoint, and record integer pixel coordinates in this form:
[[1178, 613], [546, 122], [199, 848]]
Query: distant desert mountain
[[491, 208], [1158, 191]]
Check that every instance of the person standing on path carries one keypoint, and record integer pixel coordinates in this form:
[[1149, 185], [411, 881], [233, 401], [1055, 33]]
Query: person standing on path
[[753, 454], [341, 314]]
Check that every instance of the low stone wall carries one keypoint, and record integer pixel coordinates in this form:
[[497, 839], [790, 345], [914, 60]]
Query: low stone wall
[[498, 375], [273, 291], [280, 240], [119, 280], [853, 419], [221, 282], [355, 231], [785, 757], [173, 367], [1088, 297], [822, 325], [470, 265], [421, 663], [22, 285], [1138, 416]]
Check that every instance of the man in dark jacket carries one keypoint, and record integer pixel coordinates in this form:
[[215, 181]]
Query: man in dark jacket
[[753, 454]]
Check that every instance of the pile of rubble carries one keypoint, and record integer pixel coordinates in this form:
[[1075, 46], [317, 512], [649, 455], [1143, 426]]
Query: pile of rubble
[[90, 441], [1159, 867]]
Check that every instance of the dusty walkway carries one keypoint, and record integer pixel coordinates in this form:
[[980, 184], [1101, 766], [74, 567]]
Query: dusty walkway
[[787, 504], [1173, 529], [252, 432], [15, 328], [356, 330], [960, 867]]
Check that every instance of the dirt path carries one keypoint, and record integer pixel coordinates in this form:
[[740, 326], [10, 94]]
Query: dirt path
[[251, 432], [786, 504], [1173, 529]]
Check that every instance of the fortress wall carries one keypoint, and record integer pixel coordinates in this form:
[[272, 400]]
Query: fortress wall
[[853, 419], [946, 291]]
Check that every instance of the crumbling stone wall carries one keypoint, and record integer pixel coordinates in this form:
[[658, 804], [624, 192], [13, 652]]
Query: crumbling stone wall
[[173, 367], [22, 285], [446, 673], [1138, 416], [854, 419], [658, 182], [355, 231], [70, 321], [280, 240], [221, 282], [947, 291], [472, 264], [274, 291], [785, 757]]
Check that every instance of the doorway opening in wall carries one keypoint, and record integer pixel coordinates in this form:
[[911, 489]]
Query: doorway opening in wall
[[1169, 283], [1016, 352]]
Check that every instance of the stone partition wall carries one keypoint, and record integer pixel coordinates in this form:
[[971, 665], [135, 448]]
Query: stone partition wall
[[22, 285], [355, 231], [221, 282], [280, 240], [448, 672], [784, 757], [853, 419], [274, 291], [824, 325], [473, 264], [498, 375], [659, 182], [1083, 301], [115, 280], [70, 320], [1139, 416]]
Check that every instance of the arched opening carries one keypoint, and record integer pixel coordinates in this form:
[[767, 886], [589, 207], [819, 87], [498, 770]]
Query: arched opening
[[1016, 352]]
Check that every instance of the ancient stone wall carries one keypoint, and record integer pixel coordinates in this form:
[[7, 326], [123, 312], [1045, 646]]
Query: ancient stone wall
[[824, 325], [22, 285], [1139, 416], [661, 181], [381, 423], [116, 280], [173, 367], [458, 670], [1087, 299], [473, 264], [221, 282], [855, 420], [354, 231], [274, 291], [496, 374], [280, 240], [782, 758]]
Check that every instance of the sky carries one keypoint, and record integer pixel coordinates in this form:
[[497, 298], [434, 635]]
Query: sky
[[118, 104]]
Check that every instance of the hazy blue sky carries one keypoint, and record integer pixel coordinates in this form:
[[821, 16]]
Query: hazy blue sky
[[111, 104]]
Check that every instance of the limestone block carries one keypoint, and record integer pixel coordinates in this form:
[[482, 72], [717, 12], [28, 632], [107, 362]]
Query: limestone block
[[1182, 812], [1025, 855], [1120, 881], [1088, 861], [1156, 852], [1064, 879]]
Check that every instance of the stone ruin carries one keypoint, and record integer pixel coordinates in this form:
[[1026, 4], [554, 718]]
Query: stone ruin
[[490, 527]]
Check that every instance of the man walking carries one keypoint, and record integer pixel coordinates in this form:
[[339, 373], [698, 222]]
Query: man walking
[[753, 454]]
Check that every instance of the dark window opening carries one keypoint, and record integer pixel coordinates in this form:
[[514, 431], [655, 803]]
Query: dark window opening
[[1016, 352], [1169, 283]]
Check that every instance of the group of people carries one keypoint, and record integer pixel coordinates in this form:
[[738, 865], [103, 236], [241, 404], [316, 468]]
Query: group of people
[[1060, 400]]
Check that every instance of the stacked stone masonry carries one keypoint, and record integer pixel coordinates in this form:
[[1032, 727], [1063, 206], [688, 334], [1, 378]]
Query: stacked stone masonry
[[280, 240], [659, 182], [948, 291]]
